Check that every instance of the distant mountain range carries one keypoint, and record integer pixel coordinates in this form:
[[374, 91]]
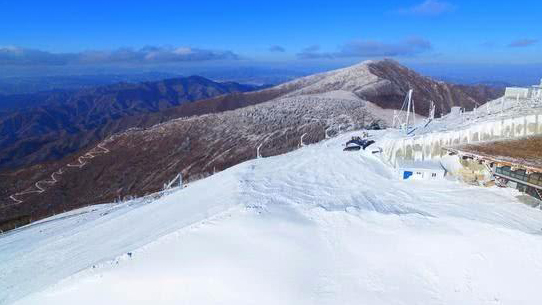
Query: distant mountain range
[[69, 82], [33, 84], [195, 138], [64, 122]]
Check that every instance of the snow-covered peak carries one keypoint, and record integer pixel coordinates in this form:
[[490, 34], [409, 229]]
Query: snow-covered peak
[[386, 82], [347, 79]]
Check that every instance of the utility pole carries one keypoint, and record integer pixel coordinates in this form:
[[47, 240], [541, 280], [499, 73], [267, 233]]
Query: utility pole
[[301, 140], [258, 156]]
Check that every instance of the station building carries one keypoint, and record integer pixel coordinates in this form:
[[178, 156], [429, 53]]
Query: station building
[[523, 93]]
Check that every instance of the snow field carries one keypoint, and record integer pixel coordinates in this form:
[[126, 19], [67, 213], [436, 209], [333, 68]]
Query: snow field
[[314, 226]]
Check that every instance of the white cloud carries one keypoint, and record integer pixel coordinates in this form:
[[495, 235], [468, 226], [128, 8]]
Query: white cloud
[[370, 48], [523, 43], [276, 48], [22, 56], [428, 8]]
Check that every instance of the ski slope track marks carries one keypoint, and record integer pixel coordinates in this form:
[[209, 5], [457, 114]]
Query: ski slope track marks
[[313, 226]]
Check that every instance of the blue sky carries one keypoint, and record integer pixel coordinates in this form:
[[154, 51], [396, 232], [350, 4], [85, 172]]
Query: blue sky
[[59, 33]]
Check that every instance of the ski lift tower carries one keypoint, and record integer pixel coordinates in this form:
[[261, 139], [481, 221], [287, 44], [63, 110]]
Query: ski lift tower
[[402, 118]]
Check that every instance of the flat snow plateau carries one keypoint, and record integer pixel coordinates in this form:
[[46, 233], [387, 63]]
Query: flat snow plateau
[[314, 226]]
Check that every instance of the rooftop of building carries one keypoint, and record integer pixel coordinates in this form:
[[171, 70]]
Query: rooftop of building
[[419, 165]]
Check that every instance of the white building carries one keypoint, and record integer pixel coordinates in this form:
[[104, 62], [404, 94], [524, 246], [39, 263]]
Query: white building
[[516, 92], [524, 93], [420, 170]]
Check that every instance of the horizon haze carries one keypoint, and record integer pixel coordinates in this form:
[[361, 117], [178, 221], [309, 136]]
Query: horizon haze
[[461, 41]]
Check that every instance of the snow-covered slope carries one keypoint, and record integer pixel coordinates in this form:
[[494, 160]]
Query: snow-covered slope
[[314, 226], [211, 135], [386, 82], [353, 79]]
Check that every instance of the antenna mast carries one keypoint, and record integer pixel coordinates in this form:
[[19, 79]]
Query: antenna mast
[[432, 111], [401, 118], [409, 103]]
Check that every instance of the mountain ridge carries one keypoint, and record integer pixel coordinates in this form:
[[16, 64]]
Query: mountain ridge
[[210, 135], [65, 122]]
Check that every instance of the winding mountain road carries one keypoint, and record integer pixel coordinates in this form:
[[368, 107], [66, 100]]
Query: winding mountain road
[[99, 149]]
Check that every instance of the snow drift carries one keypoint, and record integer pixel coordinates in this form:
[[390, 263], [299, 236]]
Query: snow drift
[[314, 226]]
